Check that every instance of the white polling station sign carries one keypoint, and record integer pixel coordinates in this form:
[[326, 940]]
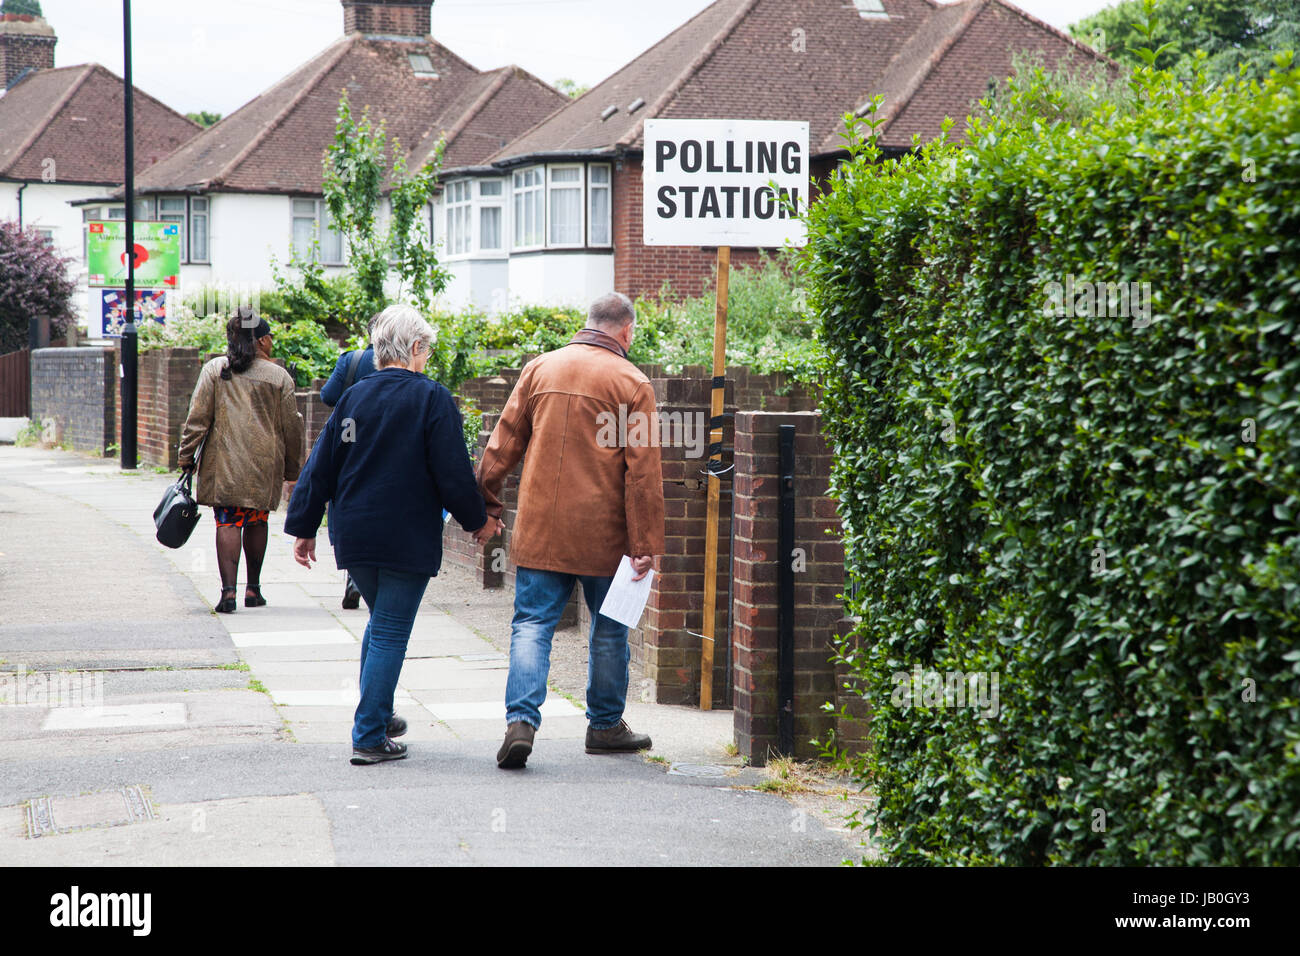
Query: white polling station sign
[[724, 182]]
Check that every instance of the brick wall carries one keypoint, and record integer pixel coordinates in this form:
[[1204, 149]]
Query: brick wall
[[25, 42], [411, 18], [165, 384], [167, 378], [315, 414], [77, 389], [818, 582]]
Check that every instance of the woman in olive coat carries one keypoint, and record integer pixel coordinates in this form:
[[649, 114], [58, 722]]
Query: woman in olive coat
[[245, 429]]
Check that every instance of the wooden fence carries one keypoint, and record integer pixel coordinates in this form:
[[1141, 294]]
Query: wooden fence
[[16, 384]]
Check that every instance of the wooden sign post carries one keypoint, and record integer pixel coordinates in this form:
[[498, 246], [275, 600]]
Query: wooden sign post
[[714, 491], [722, 183]]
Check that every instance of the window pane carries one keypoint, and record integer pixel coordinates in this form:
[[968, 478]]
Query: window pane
[[117, 212], [171, 204], [198, 205], [566, 216], [304, 231], [571, 174], [537, 216], [304, 207], [331, 241], [199, 237], [490, 187], [600, 174], [143, 209], [519, 219], [489, 227], [600, 217]]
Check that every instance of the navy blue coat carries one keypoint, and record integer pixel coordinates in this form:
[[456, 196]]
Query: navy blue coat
[[332, 390], [390, 459]]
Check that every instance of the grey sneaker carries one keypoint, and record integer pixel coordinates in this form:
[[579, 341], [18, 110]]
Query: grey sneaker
[[517, 745], [616, 740], [388, 750]]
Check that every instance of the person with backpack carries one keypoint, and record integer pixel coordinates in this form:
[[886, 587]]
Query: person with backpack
[[351, 368]]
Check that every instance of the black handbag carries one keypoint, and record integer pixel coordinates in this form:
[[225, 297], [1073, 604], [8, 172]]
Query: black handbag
[[177, 513]]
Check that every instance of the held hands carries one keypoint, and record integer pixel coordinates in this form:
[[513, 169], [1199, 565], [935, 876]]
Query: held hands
[[641, 564], [490, 530], [304, 551]]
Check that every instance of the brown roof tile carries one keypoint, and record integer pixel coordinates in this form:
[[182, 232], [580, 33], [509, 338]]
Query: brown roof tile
[[276, 142], [811, 60], [73, 115]]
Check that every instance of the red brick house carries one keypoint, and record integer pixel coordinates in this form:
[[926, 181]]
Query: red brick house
[[571, 185]]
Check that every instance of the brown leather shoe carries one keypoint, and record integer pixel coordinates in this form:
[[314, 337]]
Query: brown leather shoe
[[615, 740], [517, 745]]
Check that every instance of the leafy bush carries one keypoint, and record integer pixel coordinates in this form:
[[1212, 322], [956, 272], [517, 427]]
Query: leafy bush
[[768, 326], [1234, 34], [307, 350], [1101, 512], [33, 281]]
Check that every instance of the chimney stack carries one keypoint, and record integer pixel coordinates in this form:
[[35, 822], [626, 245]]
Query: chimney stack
[[26, 40], [400, 18]]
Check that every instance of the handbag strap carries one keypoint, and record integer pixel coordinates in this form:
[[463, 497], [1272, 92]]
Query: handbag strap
[[352, 369]]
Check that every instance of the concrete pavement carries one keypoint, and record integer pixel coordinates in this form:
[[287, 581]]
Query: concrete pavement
[[223, 739]]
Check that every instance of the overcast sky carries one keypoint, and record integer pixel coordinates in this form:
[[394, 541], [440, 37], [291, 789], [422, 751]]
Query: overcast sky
[[217, 56]]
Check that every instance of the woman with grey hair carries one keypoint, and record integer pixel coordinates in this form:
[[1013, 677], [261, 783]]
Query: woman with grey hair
[[391, 458]]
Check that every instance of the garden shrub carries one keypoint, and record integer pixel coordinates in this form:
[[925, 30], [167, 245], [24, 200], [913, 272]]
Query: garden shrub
[[1101, 512]]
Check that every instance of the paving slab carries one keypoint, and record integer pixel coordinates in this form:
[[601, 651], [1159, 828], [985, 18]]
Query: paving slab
[[246, 831]]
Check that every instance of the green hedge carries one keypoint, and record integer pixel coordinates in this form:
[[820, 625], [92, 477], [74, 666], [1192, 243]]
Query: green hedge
[[1098, 511]]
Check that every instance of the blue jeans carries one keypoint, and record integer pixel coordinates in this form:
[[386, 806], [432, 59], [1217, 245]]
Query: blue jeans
[[540, 598], [393, 597]]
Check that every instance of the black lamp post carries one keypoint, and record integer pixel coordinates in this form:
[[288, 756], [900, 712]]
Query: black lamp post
[[129, 353]]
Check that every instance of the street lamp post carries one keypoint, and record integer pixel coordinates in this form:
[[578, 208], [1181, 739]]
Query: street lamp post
[[129, 352]]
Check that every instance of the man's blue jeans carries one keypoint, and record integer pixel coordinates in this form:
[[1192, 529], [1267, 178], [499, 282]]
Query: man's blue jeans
[[540, 597], [393, 598]]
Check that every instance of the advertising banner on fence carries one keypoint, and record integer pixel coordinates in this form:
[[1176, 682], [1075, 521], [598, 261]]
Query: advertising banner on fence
[[724, 182], [157, 254], [150, 304]]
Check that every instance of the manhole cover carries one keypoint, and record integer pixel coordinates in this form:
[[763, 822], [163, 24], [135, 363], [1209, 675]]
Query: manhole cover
[[697, 770], [47, 816]]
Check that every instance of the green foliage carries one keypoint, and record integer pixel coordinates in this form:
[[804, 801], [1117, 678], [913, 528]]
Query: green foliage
[[31, 8], [769, 327], [1233, 34], [1103, 513], [1067, 94], [204, 118], [30, 434], [531, 330], [356, 172], [307, 350], [334, 301], [570, 88]]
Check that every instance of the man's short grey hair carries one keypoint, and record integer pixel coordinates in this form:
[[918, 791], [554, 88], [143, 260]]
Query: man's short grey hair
[[613, 311], [396, 331]]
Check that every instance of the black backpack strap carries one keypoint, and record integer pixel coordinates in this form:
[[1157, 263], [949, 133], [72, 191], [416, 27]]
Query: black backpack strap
[[352, 369]]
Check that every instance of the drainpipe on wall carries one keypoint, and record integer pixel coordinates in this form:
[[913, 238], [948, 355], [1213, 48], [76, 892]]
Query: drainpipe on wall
[[20, 206]]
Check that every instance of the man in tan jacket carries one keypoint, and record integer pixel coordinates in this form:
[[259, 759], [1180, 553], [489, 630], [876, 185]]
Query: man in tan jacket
[[584, 502]]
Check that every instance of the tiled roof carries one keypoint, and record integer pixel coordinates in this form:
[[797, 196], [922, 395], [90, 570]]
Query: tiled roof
[[812, 60], [73, 116], [275, 143]]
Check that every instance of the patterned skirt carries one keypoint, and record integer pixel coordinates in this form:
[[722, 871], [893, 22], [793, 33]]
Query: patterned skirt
[[228, 517]]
